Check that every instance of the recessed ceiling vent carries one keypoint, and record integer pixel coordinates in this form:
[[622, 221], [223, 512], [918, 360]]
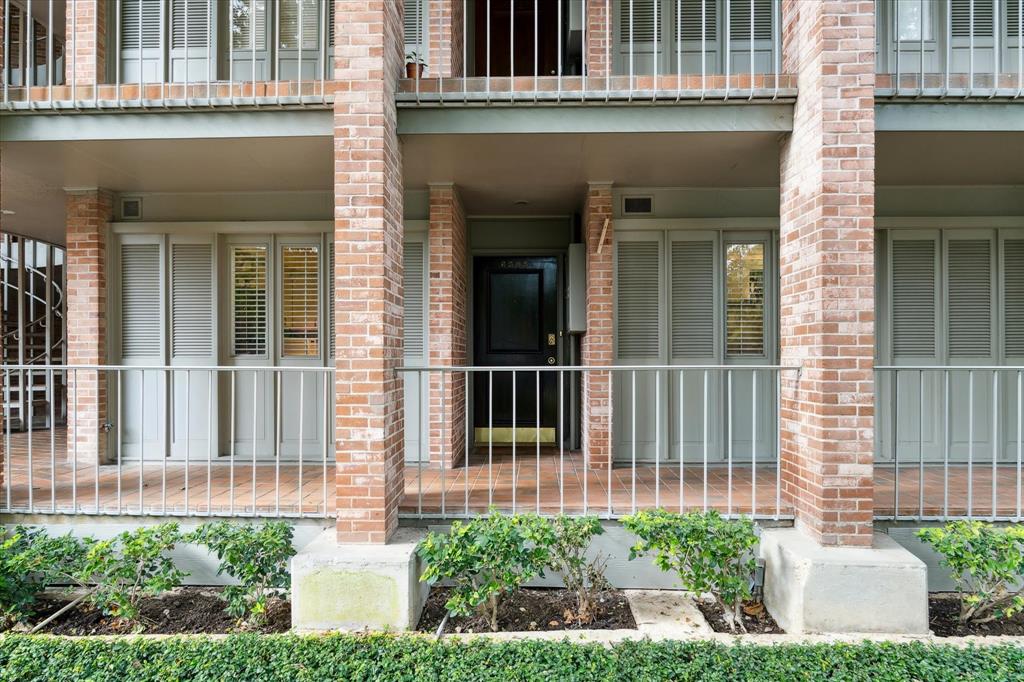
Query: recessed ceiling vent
[[637, 205], [131, 208]]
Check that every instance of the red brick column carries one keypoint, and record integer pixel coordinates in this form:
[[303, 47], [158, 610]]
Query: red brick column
[[447, 324], [446, 39], [368, 271], [600, 38], [827, 270], [85, 63], [598, 341], [88, 214]]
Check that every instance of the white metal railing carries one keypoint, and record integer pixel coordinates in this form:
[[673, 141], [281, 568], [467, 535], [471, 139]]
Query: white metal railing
[[167, 53], [951, 442], [951, 48], [469, 471], [662, 50], [176, 441]]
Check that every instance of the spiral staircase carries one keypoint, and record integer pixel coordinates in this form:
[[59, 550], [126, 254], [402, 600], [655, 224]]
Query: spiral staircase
[[33, 331]]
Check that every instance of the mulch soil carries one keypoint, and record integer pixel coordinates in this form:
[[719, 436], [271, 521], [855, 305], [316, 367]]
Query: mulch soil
[[185, 610], [944, 619], [531, 609], [754, 615]]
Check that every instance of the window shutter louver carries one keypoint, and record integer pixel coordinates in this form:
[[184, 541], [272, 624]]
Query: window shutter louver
[[744, 299], [191, 300], [637, 300], [690, 15], [330, 22], [970, 298], [913, 297], [150, 11], [693, 299], [242, 23], [1013, 18], [1013, 296], [413, 22], [289, 18], [739, 19], [249, 300], [330, 298], [300, 301], [191, 15], [643, 20], [140, 300], [412, 286], [984, 14]]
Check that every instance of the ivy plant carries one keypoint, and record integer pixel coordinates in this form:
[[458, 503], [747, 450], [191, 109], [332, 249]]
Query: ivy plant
[[256, 556], [485, 558], [987, 564], [711, 554], [572, 536]]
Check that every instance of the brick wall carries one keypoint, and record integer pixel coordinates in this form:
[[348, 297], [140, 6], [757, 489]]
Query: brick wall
[[827, 269], [368, 270], [600, 38], [88, 214], [447, 324], [87, 42], [446, 39], [597, 343]]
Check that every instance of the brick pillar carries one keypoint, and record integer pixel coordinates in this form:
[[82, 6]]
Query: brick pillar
[[368, 271], [86, 27], [600, 38], [446, 39], [827, 270], [448, 284], [597, 342], [88, 214]]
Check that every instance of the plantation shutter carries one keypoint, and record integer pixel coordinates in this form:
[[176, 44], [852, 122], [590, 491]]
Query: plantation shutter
[[970, 297], [692, 275], [642, 26], [637, 300], [690, 16], [149, 10], [189, 21], [192, 306], [329, 269], [140, 300], [330, 22], [739, 19], [244, 14], [1013, 296], [249, 300], [414, 17], [289, 24], [913, 297], [984, 14], [1013, 18], [300, 301], [414, 299]]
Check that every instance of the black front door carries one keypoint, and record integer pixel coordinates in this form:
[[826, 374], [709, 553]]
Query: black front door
[[515, 324]]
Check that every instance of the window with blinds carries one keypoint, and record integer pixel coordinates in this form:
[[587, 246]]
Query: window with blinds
[[914, 20], [972, 16], [637, 19], [1013, 296], [637, 299], [412, 286], [249, 300], [689, 20], [300, 301], [970, 297], [289, 32], [191, 300], [190, 23], [913, 298], [148, 13], [744, 299], [249, 24], [739, 19], [693, 299], [140, 300]]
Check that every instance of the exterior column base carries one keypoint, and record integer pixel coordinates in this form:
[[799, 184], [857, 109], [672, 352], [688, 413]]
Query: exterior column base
[[814, 589], [353, 587]]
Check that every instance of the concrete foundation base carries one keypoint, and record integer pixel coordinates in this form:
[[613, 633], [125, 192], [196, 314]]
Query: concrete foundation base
[[353, 587], [814, 589]]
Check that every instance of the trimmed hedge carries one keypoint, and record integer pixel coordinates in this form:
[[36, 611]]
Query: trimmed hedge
[[239, 658]]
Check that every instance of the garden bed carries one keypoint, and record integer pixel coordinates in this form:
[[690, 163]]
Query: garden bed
[[755, 617], [532, 609], [944, 620], [185, 610]]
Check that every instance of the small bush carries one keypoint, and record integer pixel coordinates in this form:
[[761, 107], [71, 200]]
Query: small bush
[[19, 578], [987, 563], [572, 538], [710, 554], [129, 567], [256, 556], [486, 557]]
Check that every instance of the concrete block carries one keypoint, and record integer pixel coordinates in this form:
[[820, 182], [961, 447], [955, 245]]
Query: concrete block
[[355, 587], [814, 589]]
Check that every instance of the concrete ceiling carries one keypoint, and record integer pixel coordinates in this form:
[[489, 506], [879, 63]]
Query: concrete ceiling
[[950, 158]]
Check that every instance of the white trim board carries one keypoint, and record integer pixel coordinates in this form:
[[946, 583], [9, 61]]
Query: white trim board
[[223, 227]]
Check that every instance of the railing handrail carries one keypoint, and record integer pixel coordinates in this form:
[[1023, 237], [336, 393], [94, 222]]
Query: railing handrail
[[596, 368], [941, 368], [157, 368]]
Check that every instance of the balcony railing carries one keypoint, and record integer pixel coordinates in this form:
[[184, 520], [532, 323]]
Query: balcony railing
[[951, 49]]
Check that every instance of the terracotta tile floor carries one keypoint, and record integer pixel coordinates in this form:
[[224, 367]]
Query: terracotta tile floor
[[432, 492]]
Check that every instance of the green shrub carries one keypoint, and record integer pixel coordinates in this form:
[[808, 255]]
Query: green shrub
[[486, 557], [129, 567], [572, 538], [987, 564], [256, 556], [19, 580], [711, 554], [353, 658]]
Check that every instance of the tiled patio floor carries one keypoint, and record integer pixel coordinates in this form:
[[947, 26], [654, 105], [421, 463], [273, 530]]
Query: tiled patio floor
[[564, 485]]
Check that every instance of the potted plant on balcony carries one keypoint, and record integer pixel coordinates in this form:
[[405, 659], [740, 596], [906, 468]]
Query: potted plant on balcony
[[414, 65]]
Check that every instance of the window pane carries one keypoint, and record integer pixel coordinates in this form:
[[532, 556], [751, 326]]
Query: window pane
[[911, 16], [249, 300], [289, 24], [300, 302], [244, 15], [744, 294]]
